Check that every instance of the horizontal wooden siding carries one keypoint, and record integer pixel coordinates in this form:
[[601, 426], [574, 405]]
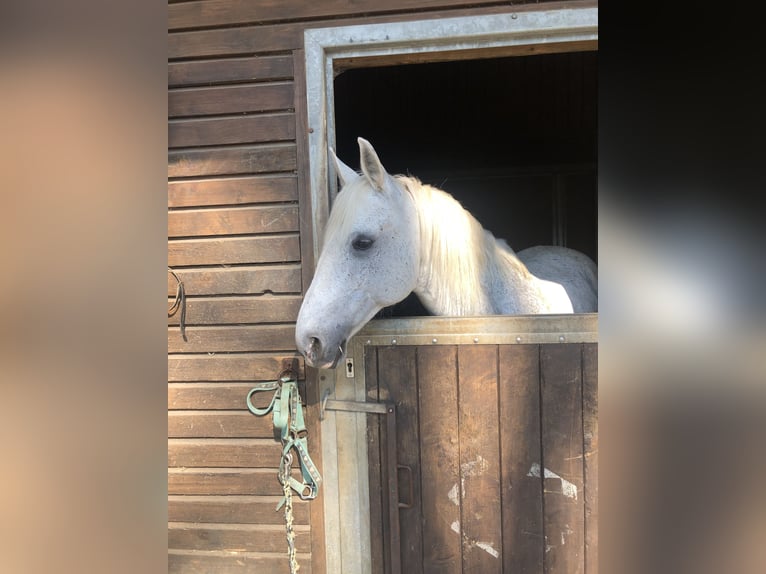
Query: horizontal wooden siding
[[234, 239]]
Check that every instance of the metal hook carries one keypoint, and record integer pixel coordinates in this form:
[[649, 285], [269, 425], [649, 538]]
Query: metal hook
[[325, 396]]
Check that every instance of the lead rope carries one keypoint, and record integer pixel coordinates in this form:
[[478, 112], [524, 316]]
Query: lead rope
[[288, 497], [288, 420]]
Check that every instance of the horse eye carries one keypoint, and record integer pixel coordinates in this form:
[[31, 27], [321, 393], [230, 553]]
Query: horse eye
[[362, 243]]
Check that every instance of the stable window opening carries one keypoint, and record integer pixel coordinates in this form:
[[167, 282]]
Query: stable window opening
[[513, 138]]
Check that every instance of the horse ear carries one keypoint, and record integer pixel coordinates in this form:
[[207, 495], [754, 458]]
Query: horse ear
[[371, 166], [345, 173]]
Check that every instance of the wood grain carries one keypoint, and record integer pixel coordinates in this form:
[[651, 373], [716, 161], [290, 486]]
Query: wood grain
[[440, 459], [231, 453], [397, 373], [522, 495], [234, 509], [479, 459], [235, 130], [209, 396], [252, 69], [304, 186], [590, 451], [232, 190], [224, 12], [261, 158], [228, 250], [246, 40], [255, 280], [200, 562], [243, 310], [218, 424], [379, 543], [240, 41], [230, 99], [253, 481], [235, 538], [562, 447], [239, 367], [230, 338], [232, 221]]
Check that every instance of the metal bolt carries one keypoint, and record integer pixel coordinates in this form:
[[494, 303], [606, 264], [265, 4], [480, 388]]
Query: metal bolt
[[518, 339], [562, 338], [433, 341], [393, 341], [475, 339], [369, 342], [513, 16]]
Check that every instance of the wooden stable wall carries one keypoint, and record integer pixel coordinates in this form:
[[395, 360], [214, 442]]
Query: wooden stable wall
[[238, 237]]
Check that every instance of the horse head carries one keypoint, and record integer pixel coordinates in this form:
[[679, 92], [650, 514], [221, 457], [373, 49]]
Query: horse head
[[369, 259]]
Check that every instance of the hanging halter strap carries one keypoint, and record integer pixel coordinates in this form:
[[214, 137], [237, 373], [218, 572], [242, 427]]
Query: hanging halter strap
[[288, 420]]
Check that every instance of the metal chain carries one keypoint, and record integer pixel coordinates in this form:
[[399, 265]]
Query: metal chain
[[284, 478]]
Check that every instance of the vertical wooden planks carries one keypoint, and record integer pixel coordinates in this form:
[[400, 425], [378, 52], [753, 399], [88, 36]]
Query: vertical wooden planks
[[480, 523], [313, 392], [440, 459], [522, 494], [507, 441], [397, 372], [562, 460], [590, 452], [378, 500]]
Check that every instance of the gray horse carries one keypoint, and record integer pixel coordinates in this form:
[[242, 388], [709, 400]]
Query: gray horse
[[388, 236]]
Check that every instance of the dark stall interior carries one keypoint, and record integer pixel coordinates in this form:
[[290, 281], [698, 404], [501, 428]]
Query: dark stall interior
[[514, 139]]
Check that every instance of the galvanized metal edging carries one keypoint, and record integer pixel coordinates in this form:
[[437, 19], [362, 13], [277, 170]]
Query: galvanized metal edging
[[495, 330]]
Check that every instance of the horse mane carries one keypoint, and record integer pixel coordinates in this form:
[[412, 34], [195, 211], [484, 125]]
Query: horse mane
[[460, 261], [459, 258]]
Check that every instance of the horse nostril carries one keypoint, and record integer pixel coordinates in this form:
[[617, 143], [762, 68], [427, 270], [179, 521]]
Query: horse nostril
[[315, 346]]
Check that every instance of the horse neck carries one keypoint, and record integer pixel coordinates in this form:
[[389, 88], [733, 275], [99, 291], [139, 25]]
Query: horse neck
[[459, 259]]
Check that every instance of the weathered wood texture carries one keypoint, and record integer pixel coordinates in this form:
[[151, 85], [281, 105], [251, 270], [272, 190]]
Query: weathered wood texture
[[519, 407], [230, 99], [440, 434], [233, 130], [230, 70], [590, 454], [502, 445], [226, 562], [231, 160], [233, 509], [249, 38], [232, 190], [230, 310], [379, 542], [241, 280], [233, 221], [232, 250], [238, 367], [238, 538], [207, 13], [562, 468], [237, 168]]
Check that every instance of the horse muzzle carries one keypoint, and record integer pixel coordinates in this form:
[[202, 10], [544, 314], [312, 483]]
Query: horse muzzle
[[319, 356]]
